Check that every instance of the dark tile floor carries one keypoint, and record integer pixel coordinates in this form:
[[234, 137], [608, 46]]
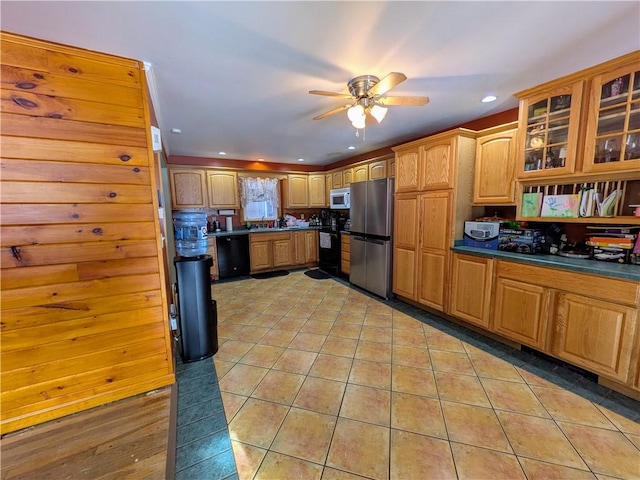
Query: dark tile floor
[[204, 449]]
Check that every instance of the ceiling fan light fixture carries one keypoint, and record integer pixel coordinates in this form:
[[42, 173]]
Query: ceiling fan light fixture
[[378, 112], [359, 123], [355, 113]]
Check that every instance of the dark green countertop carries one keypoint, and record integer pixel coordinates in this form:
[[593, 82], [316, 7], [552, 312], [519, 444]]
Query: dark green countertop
[[593, 267]]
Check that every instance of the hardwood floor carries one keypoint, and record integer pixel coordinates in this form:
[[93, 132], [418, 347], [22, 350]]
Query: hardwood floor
[[125, 439]]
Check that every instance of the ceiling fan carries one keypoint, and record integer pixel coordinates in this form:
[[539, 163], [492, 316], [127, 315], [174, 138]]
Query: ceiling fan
[[367, 94]]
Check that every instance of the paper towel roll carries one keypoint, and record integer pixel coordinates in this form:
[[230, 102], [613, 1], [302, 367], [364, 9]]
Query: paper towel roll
[[229, 224]]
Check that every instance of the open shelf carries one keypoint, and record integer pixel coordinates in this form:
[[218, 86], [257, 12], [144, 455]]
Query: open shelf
[[609, 201]]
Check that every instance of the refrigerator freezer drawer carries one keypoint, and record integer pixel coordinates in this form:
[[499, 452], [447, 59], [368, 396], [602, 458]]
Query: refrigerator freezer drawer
[[371, 265]]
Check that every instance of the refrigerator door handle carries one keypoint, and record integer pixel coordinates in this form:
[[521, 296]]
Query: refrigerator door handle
[[375, 240]]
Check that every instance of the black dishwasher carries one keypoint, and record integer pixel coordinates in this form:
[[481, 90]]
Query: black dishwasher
[[233, 255]]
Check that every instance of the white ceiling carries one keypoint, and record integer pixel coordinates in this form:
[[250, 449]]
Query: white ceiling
[[235, 76]]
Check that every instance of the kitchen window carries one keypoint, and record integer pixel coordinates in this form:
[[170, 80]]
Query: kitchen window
[[260, 198]]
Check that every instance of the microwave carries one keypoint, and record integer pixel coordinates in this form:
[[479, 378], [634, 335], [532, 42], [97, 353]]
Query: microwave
[[340, 198]]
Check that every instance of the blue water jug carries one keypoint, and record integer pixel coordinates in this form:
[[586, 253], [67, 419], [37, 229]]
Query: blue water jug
[[191, 232]]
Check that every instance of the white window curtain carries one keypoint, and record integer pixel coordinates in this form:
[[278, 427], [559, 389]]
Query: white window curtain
[[259, 197]]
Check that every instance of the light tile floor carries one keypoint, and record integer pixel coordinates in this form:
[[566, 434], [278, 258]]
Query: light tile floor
[[320, 380]]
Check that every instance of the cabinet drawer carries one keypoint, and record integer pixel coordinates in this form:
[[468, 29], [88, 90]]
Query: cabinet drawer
[[267, 237], [625, 292]]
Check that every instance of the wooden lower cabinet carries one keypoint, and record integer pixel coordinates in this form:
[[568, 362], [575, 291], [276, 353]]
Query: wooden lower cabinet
[[270, 251], [595, 335], [521, 312], [405, 244], [212, 250], [311, 246], [470, 296], [587, 320], [261, 254], [432, 270], [282, 252], [404, 272], [345, 254], [299, 248], [305, 247], [433, 251]]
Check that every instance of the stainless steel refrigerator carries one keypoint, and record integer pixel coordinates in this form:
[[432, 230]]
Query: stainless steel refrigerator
[[371, 216]]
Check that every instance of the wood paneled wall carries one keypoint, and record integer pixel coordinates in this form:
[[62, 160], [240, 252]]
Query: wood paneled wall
[[84, 310]]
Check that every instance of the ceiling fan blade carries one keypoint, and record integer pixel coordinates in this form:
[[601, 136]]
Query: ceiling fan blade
[[331, 112], [387, 83], [406, 101], [329, 94]]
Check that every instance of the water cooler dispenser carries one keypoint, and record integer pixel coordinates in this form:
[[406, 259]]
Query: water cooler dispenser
[[197, 312]]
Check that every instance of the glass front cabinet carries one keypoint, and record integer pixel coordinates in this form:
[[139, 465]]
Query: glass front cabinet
[[550, 121], [613, 123]]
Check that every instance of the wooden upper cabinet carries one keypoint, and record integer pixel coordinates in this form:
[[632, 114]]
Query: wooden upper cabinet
[[613, 124], [223, 189], [436, 165], [188, 188], [296, 191], [494, 167], [347, 177], [596, 335], [361, 173], [391, 169], [407, 171], [378, 170], [336, 179], [317, 186], [328, 181], [548, 122]]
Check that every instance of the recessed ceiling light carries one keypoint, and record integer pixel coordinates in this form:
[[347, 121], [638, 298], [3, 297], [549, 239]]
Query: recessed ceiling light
[[222, 153], [261, 159], [176, 130], [489, 98], [351, 147], [301, 159]]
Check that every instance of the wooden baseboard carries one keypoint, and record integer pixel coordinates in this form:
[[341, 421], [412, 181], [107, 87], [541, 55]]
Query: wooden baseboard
[[173, 427], [462, 323], [619, 387]]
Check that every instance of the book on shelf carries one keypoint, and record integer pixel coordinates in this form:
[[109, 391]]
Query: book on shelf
[[624, 246], [587, 202], [620, 240]]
